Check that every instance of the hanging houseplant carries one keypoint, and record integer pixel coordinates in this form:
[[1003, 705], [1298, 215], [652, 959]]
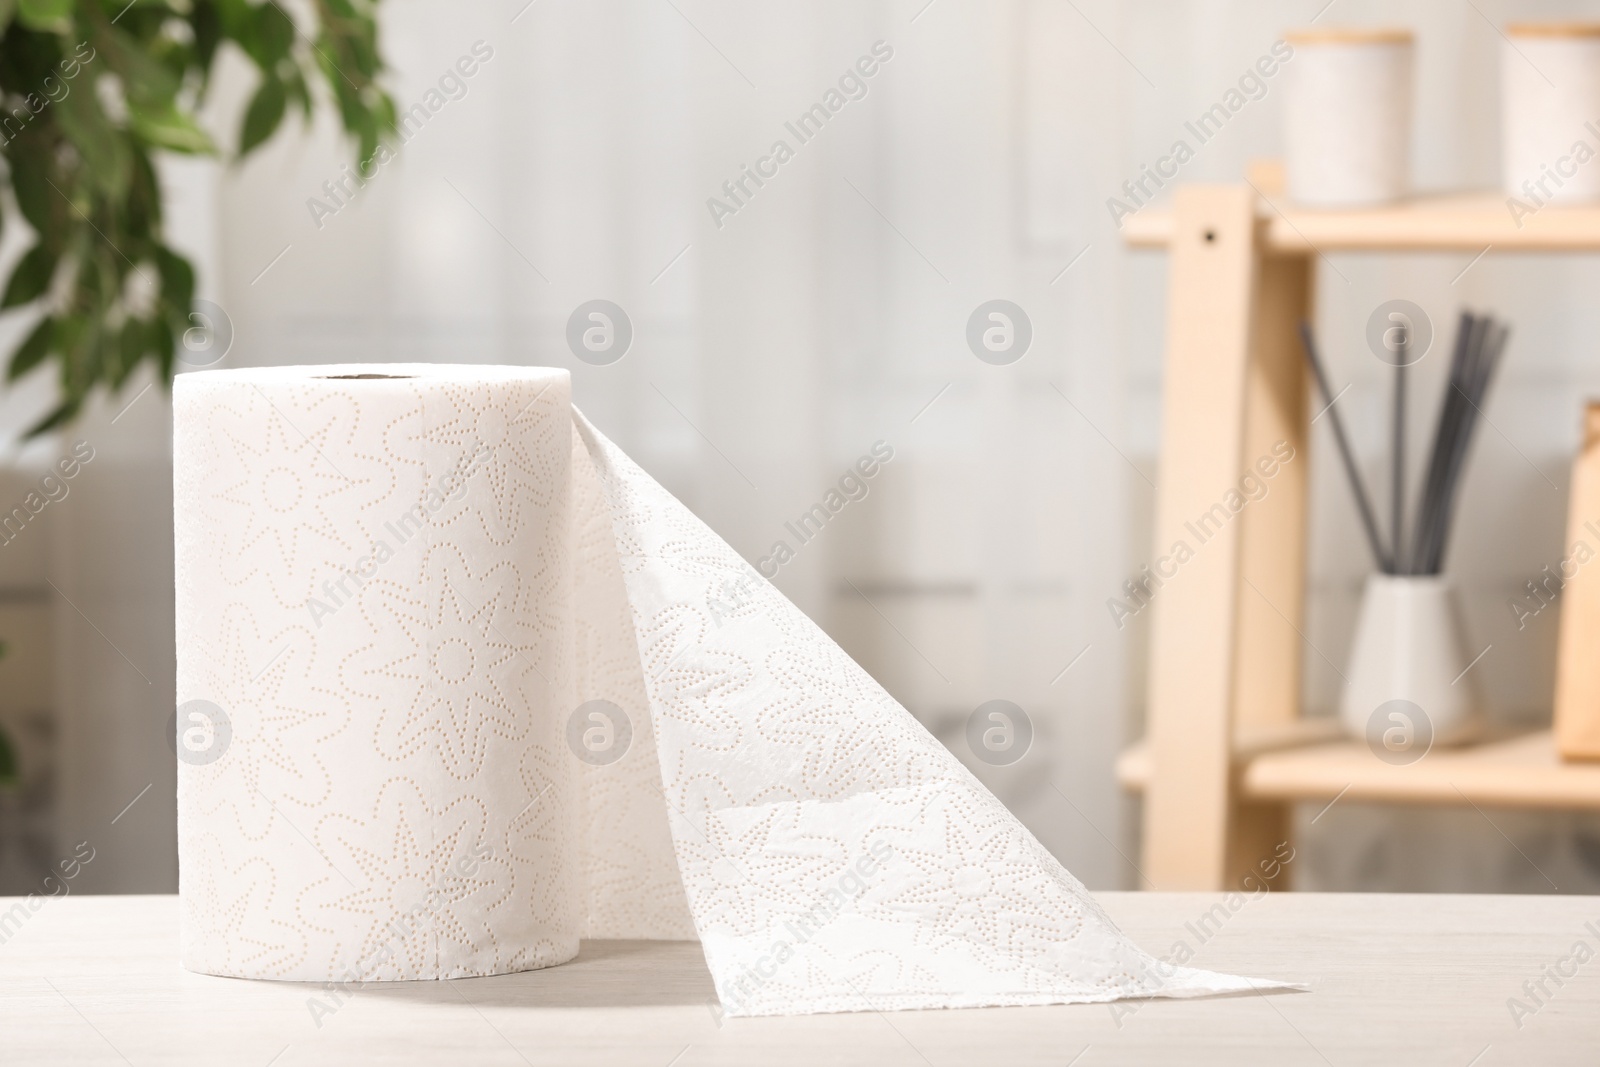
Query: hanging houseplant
[[91, 91]]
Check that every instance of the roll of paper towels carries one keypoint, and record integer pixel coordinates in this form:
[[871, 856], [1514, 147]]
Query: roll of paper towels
[[1347, 116], [459, 685], [1550, 113]]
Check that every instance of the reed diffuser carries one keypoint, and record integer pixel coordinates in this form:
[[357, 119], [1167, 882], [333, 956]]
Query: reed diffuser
[[1408, 682]]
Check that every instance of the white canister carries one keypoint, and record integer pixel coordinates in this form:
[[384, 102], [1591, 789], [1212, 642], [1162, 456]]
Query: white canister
[[1550, 112], [1347, 114], [1407, 685]]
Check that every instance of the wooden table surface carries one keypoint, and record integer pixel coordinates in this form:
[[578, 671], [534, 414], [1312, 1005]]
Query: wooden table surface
[[1395, 979]]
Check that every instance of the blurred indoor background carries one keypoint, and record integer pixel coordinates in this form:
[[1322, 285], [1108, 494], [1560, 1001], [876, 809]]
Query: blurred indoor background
[[772, 350]]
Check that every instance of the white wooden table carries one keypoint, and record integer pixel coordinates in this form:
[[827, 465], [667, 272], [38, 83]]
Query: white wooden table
[[1394, 979]]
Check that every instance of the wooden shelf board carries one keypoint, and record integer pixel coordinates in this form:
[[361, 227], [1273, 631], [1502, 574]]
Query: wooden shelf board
[[1133, 765], [1523, 771], [1457, 222]]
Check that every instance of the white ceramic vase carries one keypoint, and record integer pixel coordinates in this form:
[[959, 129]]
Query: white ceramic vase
[[1407, 686]]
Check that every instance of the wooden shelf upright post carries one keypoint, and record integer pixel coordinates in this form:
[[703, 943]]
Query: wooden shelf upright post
[[1226, 648]]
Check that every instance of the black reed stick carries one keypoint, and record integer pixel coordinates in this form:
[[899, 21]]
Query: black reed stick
[[1458, 394], [1439, 455], [1397, 483], [1368, 521], [1489, 346]]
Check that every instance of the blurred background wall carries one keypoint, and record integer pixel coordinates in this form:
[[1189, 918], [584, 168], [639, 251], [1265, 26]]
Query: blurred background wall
[[826, 314]]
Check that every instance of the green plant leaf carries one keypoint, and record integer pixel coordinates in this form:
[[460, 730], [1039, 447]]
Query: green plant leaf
[[159, 336], [299, 93], [46, 15], [146, 80], [127, 347], [264, 31], [31, 181], [70, 333], [177, 283], [64, 413], [31, 277], [206, 22], [171, 129], [102, 146], [8, 761], [261, 119], [274, 30], [33, 350]]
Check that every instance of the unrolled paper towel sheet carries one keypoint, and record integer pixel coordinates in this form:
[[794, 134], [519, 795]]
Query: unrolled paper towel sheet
[[459, 684]]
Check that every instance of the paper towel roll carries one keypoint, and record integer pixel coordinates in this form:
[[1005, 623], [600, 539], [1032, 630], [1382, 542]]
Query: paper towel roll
[[460, 684], [1550, 112], [1347, 116]]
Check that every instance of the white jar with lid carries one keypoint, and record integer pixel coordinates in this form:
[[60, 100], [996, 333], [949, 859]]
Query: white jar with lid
[[1550, 112], [1347, 114]]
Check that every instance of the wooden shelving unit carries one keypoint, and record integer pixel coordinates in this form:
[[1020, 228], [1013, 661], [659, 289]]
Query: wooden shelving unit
[[1226, 751]]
